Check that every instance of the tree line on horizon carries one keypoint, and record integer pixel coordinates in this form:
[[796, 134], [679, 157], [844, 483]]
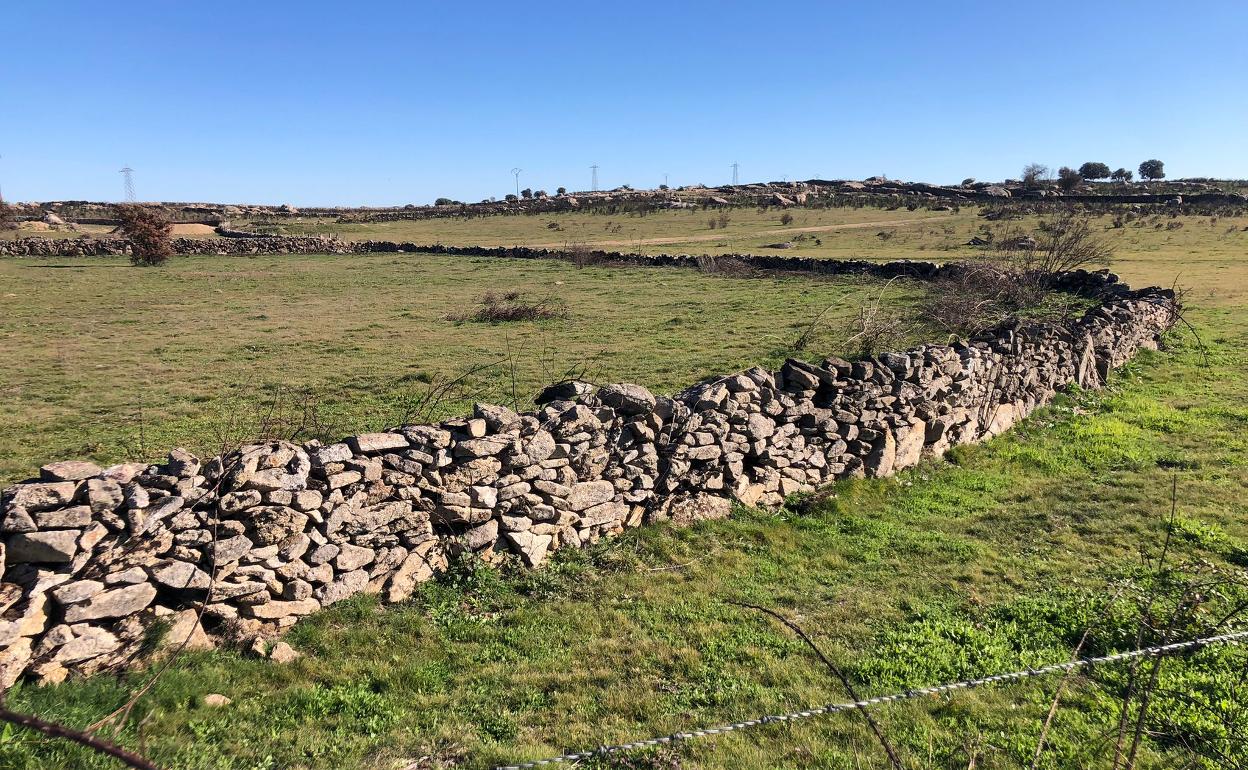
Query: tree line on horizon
[[1068, 178]]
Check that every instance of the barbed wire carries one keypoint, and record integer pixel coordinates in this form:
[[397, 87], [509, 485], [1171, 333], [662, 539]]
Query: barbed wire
[[833, 708]]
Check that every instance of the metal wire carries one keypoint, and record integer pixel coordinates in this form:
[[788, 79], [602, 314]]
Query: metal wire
[[833, 708]]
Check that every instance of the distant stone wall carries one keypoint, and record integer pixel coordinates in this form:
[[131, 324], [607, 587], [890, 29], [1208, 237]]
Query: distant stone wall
[[267, 534], [106, 247]]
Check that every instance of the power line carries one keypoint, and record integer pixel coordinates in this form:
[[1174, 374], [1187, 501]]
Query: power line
[[593, 185], [833, 708], [735, 167], [128, 174], [516, 173]]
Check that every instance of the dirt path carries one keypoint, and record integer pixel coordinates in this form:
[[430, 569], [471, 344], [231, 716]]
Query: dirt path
[[720, 236]]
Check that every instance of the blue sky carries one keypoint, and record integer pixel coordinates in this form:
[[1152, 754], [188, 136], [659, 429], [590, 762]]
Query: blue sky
[[391, 103]]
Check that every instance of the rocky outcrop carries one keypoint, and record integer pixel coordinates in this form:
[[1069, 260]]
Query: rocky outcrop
[[242, 545]]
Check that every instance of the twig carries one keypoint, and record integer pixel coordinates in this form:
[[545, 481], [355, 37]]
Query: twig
[[849, 688], [54, 730], [1061, 685]]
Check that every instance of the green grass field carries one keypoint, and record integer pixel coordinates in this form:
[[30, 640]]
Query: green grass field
[[994, 559], [102, 360]]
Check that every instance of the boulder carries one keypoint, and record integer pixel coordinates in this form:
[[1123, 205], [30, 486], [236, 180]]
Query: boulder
[[75, 517], [283, 653], [352, 557], [88, 642], [115, 603], [368, 443], [69, 470], [180, 575], [587, 494], [627, 398], [55, 547], [568, 390], [43, 497], [532, 548]]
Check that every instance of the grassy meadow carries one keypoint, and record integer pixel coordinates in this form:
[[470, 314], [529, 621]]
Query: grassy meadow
[[996, 558], [1203, 253], [105, 361]]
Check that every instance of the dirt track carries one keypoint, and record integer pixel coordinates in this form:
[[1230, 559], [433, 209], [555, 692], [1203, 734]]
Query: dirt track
[[721, 236]]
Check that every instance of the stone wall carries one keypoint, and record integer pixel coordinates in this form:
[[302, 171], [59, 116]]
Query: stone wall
[[264, 535], [103, 247]]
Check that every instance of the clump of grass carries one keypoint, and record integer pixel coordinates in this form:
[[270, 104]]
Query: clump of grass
[[512, 306]]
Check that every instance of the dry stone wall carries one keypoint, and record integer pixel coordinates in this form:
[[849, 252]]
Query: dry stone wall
[[241, 546]]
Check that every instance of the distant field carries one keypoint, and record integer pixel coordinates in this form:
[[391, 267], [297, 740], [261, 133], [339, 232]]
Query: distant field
[[1201, 252], [99, 359]]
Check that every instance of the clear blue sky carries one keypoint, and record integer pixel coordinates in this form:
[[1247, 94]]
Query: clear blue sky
[[393, 103]]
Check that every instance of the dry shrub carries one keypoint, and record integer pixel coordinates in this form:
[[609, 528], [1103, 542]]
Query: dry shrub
[[1017, 274], [582, 256], [149, 233], [510, 306], [874, 329], [730, 267], [1065, 243]]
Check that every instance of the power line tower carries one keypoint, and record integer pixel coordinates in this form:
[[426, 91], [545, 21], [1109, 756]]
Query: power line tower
[[128, 174], [516, 173], [735, 167], [593, 182]]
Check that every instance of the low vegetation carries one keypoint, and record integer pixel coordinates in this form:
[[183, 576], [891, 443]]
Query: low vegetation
[[511, 306]]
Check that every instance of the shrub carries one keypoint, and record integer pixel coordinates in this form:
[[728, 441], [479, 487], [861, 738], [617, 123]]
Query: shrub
[[443, 202], [1122, 175], [526, 193], [512, 306], [7, 220], [149, 232], [510, 198], [561, 191], [1016, 275], [786, 219], [1068, 179], [1152, 170]]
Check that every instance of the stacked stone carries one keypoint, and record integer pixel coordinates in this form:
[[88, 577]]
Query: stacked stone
[[99, 247], [241, 546]]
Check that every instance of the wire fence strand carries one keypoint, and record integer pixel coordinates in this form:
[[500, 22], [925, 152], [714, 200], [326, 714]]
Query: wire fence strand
[[833, 708]]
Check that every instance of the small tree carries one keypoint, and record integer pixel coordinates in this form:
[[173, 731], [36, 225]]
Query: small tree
[[561, 191], [149, 232], [443, 202], [1034, 174], [510, 198], [1068, 179], [1152, 170], [526, 193], [540, 194], [1122, 175], [970, 180], [1093, 170], [664, 187]]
